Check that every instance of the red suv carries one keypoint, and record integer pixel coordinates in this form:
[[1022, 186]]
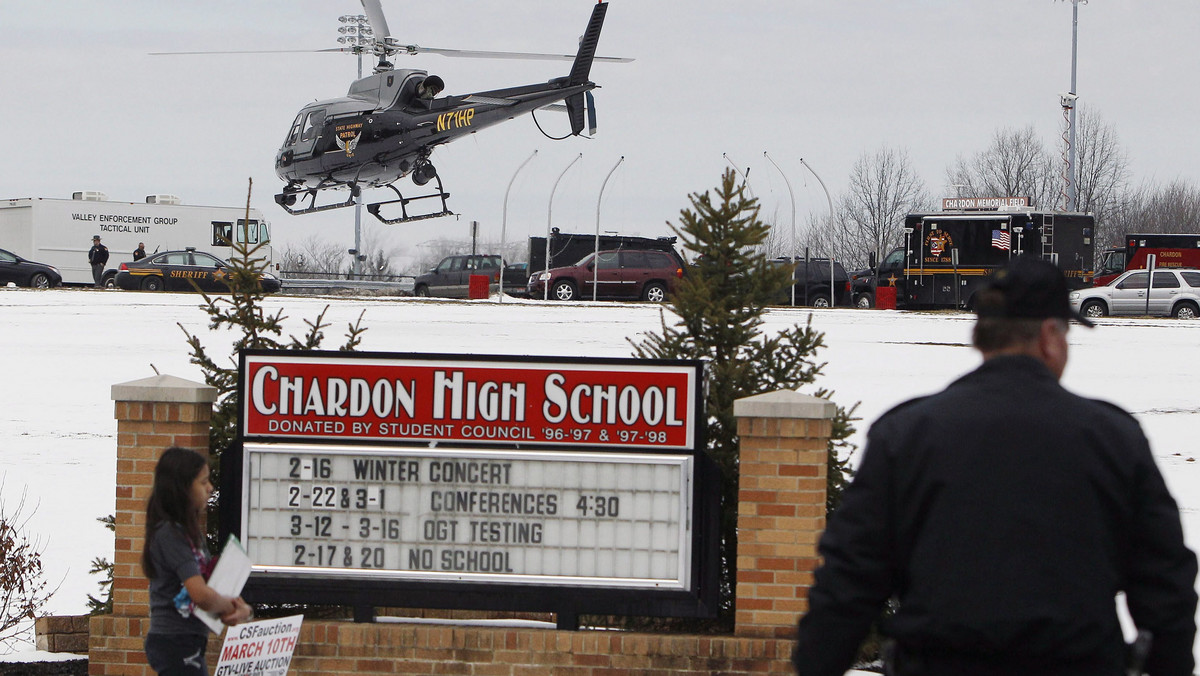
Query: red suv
[[625, 274]]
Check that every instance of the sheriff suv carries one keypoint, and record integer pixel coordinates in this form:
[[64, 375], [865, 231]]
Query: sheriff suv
[[624, 274]]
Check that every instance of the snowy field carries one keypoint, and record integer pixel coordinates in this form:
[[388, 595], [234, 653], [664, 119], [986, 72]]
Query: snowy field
[[62, 350]]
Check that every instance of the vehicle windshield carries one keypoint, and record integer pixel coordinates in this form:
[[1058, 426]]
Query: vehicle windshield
[[584, 261], [1112, 262]]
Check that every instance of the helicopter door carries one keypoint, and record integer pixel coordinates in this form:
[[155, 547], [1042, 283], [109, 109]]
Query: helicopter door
[[310, 131]]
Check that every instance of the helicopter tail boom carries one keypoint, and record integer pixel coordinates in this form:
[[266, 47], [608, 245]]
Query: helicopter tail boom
[[582, 67]]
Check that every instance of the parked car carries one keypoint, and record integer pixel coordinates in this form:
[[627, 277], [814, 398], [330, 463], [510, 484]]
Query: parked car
[[813, 283], [176, 270], [1175, 293], [625, 274], [22, 272], [451, 278]]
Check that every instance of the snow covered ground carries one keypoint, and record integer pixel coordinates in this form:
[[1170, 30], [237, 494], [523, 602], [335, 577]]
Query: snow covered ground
[[62, 350]]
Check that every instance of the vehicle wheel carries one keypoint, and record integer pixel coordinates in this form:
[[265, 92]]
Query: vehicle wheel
[[422, 291], [1093, 309], [655, 292], [152, 284], [864, 301], [563, 290], [1185, 310], [820, 301], [40, 281], [110, 282]]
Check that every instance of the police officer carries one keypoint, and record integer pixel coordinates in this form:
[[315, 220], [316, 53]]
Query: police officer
[[1003, 515], [97, 256], [140, 252]]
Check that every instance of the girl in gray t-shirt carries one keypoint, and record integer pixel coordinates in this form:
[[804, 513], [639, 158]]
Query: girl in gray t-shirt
[[178, 564]]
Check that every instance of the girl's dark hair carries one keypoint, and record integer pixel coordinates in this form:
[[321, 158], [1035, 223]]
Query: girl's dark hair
[[170, 499]]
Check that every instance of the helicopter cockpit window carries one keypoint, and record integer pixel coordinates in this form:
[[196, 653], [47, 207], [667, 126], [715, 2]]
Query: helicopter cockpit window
[[312, 125]]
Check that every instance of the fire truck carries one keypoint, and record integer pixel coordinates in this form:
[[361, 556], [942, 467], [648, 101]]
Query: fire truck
[[59, 232], [1169, 250], [947, 255]]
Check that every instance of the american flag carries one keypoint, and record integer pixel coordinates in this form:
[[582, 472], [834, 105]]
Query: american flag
[[1000, 239]]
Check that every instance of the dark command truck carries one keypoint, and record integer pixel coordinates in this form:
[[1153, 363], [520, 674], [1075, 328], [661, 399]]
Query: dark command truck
[[1169, 250], [948, 254]]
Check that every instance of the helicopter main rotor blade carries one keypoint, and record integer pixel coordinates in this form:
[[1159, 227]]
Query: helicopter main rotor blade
[[375, 16], [260, 51], [477, 54]]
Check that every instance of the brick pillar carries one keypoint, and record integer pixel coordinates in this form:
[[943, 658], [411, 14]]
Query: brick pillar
[[781, 507], [152, 414]]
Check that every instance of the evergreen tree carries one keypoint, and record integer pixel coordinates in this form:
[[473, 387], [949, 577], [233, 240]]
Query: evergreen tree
[[241, 312], [720, 307], [102, 566]]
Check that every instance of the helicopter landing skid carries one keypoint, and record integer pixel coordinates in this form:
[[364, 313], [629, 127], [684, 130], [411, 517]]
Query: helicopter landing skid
[[287, 199], [404, 201]]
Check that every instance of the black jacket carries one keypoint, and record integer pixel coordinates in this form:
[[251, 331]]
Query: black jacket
[[98, 254], [1004, 514]]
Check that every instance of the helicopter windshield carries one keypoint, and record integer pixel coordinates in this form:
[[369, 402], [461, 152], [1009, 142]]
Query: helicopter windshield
[[294, 134]]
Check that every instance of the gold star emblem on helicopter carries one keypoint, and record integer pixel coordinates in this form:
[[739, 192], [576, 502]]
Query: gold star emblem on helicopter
[[349, 144]]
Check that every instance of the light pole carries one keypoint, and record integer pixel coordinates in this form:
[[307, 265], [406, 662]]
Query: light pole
[[504, 219], [792, 195], [827, 197], [595, 262], [744, 174], [1072, 194], [549, 211], [832, 294], [358, 36]]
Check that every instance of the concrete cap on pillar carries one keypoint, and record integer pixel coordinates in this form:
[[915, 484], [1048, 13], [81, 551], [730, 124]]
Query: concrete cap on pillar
[[165, 388], [784, 404]]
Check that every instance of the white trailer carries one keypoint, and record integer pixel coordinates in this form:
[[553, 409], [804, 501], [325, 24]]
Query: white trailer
[[59, 232]]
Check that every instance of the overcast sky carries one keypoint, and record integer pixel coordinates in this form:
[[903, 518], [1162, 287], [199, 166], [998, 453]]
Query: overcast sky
[[87, 108]]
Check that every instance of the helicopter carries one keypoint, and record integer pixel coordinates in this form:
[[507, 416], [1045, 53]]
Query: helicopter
[[389, 123]]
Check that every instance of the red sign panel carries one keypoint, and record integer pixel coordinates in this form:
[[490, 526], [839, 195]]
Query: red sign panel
[[519, 403]]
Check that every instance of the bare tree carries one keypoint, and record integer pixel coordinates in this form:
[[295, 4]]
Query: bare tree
[[314, 255], [883, 188], [23, 589], [1102, 173], [1016, 164], [1102, 164], [1172, 208], [379, 255]]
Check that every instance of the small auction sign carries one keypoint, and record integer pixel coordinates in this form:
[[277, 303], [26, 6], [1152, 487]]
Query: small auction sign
[[494, 401], [261, 648]]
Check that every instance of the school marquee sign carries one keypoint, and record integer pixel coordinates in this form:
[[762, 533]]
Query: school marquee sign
[[570, 485]]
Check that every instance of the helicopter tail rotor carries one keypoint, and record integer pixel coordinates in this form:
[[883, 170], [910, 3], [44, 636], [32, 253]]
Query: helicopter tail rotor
[[591, 113], [577, 106], [587, 46]]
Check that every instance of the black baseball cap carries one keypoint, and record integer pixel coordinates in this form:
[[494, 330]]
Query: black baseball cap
[[1027, 288]]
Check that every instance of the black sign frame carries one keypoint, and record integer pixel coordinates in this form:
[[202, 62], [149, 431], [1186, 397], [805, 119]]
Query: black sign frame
[[567, 602]]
